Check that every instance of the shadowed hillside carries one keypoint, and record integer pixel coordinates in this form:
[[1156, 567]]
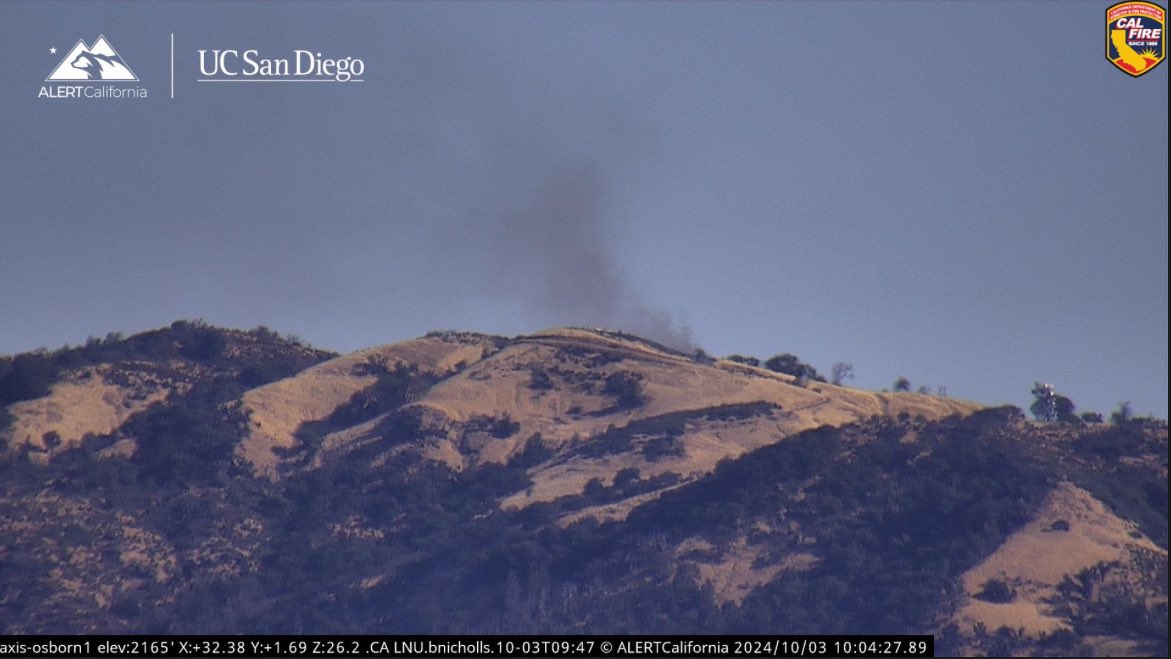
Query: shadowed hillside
[[195, 479]]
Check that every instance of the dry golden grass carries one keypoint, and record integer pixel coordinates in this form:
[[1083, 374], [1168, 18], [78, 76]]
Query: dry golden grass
[[278, 409], [617, 511], [735, 576], [76, 407], [574, 408], [671, 384], [1035, 559], [736, 570]]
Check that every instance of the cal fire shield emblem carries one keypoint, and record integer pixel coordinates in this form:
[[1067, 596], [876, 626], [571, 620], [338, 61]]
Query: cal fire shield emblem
[[1135, 36]]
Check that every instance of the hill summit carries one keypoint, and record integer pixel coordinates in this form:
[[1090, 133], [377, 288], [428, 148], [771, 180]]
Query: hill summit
[[569, 480]]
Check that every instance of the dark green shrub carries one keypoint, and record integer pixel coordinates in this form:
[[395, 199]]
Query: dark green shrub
[[996, 591], [663, 447], [203, 345], [504, 427], [626, 388], [539, 380]]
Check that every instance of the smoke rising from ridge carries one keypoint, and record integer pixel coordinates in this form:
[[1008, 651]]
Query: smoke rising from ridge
[[541, 240], [559, 230], [533, 224]]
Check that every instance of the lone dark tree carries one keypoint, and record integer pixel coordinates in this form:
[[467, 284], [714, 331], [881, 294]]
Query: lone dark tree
[[626, 388], [840, 372], [741, 359], [902, 384], [996, 591], [1122, 414], [789, 364]]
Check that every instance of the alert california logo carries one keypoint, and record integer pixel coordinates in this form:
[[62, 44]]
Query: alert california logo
[[91, 72], [1135, 36]]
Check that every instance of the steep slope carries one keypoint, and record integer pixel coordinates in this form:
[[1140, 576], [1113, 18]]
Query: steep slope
[[603, 403], [91, 401], [94, 390], [279, 410], [1017, 586]]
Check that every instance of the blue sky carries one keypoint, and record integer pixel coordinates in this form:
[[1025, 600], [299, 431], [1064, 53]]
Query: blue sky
[[966, 194]]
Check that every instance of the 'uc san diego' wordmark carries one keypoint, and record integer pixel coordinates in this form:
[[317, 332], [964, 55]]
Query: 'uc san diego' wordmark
[[304, 65]]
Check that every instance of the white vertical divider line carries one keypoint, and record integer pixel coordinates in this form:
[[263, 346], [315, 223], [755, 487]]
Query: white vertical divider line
[[172, 65]]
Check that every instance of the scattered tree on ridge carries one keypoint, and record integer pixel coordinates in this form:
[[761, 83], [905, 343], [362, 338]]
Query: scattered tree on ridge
[[789, 364], [1123, 414], [741, 359], [840, 372]]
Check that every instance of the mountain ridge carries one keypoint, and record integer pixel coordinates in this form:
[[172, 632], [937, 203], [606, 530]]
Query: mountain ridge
[[573, 479]]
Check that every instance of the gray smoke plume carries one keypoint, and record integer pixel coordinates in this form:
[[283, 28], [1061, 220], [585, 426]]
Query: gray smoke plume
[[559, 234], [538, 224], [512, 176]]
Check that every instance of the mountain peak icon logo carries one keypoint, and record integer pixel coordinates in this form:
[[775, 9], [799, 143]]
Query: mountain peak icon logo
[[97, 62]]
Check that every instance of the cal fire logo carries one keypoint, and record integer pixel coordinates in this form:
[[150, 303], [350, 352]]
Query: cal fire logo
[[97, 62], [1134, 36]]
